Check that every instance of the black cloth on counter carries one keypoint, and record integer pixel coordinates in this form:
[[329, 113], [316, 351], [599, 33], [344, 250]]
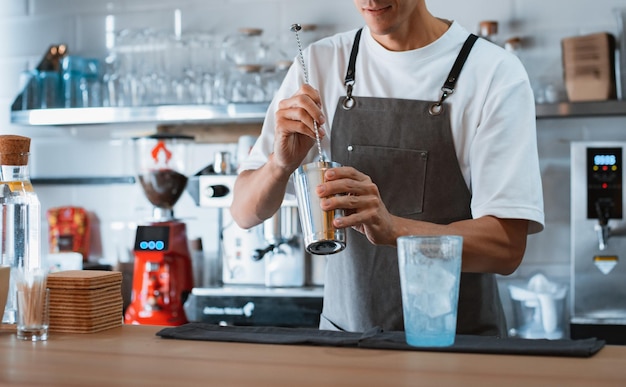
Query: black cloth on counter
[[261, 335], [378, 339]]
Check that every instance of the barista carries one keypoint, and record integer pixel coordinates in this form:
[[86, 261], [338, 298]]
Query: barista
[[436, 134]]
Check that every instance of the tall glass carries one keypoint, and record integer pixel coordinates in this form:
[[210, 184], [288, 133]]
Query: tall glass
[[430, 272]]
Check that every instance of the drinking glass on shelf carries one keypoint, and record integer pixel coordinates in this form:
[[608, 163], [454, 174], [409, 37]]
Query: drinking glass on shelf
[[29, 85], [110, 80], [181, 76], [118, 77], [154, 67], [246, 47], [91, 84], [73, 68], [204, 62], [246, 84], [50, 89], [153, 74]]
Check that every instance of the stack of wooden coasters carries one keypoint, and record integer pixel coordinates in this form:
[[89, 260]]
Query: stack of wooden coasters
[[85, 301]]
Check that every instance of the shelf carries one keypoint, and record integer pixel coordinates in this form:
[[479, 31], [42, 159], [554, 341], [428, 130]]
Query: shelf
[[88, 180], [581, 109], [248, 113], [216, 114]]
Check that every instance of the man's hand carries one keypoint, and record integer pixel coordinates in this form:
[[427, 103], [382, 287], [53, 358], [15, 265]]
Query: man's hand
[[354, 192], [295, 131]]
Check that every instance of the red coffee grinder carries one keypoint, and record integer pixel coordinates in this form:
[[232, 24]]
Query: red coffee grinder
[[162, 277]]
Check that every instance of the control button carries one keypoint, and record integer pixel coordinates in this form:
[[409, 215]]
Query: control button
[[216, 191]]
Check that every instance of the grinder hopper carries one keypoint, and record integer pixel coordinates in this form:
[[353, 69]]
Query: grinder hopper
[[161, 162]]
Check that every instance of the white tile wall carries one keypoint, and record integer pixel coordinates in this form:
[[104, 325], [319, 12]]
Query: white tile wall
[[27, 27], [14, 9], [31, 35]]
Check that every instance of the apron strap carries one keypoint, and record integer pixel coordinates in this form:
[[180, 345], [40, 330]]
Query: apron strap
[[450, 83], [348, 103]]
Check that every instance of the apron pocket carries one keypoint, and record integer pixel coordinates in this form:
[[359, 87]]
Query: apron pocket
[[400, 175]]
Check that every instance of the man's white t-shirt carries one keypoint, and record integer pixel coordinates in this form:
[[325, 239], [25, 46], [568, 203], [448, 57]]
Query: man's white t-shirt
[[492, 111]]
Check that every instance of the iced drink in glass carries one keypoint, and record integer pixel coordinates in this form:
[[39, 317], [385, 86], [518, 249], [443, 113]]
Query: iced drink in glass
[[430, 271]]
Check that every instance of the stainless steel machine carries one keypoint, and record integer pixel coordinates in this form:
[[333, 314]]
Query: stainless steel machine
[[268, 278], [270, 254], [598, 241]]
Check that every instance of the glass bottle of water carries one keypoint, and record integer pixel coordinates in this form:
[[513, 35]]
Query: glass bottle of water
[[20, 216]]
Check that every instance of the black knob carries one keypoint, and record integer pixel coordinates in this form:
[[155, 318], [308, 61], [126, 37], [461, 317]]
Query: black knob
[[217, 191]]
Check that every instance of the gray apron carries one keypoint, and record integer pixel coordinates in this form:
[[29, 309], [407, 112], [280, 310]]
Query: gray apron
[[407, 149]]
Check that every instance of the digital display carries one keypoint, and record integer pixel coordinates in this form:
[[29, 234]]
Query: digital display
[[604, 160], [604, 183], [152, 238]]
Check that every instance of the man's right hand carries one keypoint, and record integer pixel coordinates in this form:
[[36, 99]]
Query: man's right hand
[[295, 130], [259, 193]]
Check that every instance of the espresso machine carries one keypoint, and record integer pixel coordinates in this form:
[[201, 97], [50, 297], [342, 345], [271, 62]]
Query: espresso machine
[[162, 277], [268, 278], [598, 241], [270, 254]]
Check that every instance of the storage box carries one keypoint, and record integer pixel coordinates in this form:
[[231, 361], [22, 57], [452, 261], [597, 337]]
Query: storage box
[[589, 67]]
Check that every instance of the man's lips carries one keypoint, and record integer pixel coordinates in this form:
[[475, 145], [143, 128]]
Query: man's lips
[[376, 11]]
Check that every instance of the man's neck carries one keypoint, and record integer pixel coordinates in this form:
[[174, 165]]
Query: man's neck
[[414, 36]]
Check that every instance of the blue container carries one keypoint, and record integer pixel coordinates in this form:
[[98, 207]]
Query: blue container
[[73, 68], [50, 89], [31, 94]]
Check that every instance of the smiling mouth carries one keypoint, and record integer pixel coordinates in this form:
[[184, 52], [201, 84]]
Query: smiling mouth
[[376, 11]]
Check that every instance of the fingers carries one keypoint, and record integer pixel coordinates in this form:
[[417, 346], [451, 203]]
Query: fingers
[[347, 188], [354, 192], [298, 113], [314, 95], [348, 181], [295, 127]]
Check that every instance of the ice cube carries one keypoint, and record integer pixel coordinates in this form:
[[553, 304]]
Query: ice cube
[[438, 305], [432, 291]]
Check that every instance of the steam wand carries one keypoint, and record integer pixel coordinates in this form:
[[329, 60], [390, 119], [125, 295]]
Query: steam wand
[[260, 253], [603, 231]]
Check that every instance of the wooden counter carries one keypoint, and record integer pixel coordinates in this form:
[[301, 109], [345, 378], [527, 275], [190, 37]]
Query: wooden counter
[[134, 356]]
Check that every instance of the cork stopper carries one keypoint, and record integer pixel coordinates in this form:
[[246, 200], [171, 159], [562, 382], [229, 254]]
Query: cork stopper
[[14, 149], [488, 27], [251, 31], [250, 68]]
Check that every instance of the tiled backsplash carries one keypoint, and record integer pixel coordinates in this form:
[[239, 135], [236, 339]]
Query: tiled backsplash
[[28, 27]]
